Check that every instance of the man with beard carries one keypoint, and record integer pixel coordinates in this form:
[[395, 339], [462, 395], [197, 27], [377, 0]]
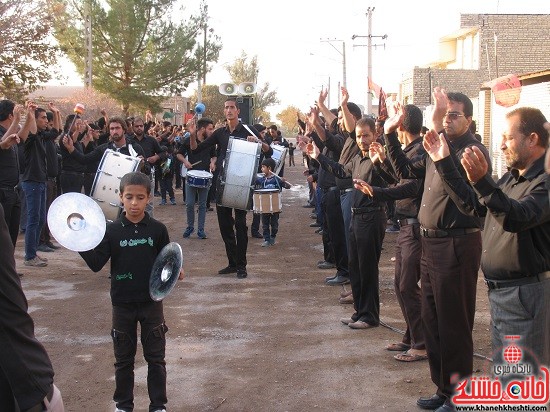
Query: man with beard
[[152, 152], [118, 143], [367, 228]]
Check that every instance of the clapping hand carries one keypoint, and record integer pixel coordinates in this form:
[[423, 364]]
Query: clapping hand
[[436, 145]]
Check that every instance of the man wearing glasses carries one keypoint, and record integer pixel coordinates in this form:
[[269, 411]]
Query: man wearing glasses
[[451, 246]]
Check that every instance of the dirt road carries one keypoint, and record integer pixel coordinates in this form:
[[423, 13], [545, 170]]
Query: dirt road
[[271, 342]]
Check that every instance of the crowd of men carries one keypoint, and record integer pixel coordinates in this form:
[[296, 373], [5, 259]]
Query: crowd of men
[[452, 216]]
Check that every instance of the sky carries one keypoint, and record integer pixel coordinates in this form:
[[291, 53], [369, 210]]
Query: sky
[[289, 39]]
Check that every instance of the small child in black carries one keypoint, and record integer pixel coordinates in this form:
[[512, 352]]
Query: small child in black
[[270, 181], [291, 149], [167, 168], [133, 242]]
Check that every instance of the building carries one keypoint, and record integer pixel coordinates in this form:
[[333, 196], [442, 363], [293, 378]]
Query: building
[[485, 47]]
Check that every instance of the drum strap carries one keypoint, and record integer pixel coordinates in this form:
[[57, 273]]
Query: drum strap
[[250, 131]]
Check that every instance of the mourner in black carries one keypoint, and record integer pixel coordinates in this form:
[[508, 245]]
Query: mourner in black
[[233, 229], [451, 245], [367, 229]]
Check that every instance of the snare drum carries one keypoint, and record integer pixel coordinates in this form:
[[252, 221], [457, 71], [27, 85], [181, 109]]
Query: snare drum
[[279, 155], [239, 174], [267, 201], [199, 178], [106, 186]]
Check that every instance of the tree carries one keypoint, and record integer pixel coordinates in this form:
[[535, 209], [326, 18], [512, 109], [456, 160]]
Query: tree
[[26, 54], [288, 118], [214, 102], [139, 54], [242, 71]]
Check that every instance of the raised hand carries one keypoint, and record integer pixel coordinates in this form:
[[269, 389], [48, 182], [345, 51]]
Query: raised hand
[[474, 164], [440, 107], [322, 96], [53, 107], [376, 152], [436, 145], [345, 96], [363, 187], [392, 123], [312, 150]]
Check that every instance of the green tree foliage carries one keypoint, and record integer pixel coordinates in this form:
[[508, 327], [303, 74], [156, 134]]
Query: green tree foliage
[[288, 119], [242, 70], [139, 54], [26, 54], [213, 100]]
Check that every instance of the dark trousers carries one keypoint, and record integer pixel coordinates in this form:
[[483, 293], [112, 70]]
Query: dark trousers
[[234, 234], [408, 252], [365, 246], [166, 187], [88, 182], [71, 182], [212, 192], [449, 269], [291, 161], [26, 373], [51, 194], [153, 340], [255, 226], [334, 222], [270, 220], [10, 201]]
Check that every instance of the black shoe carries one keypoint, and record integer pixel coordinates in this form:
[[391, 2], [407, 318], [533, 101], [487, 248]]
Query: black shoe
[[446, 407], [257, 235], [241, 273], [51, 245], [42, 247], [226, 270], [331, 277], [319, 230], [433, 402], [325, 265], [338, 280]]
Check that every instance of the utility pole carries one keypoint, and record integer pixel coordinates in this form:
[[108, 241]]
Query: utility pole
[[342, 53], [88, 40], [204, 57], [369, 45]]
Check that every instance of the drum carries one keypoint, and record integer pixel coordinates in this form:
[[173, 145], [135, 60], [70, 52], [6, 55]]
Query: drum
[[239, 174], [279, 155], [199, 178], [106, 186], [267, 201]]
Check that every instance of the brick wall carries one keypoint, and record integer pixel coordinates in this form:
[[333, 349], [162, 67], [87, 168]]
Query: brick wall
[[523, 46]]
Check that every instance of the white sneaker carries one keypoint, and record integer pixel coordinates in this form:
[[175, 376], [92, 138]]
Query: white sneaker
[[36, 262]]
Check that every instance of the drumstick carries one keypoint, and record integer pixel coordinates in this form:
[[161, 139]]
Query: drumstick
[[196, 163]]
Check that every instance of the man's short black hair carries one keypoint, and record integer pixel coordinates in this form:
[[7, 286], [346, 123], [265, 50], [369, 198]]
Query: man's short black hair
[[204, 122], [270, 163], [6, 109], [412, 121], [465, 100], [135, 179]]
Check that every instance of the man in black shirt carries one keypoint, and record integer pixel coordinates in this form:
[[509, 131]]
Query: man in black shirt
[[10, 114], [408, 250], [367, 229], [451, 247], [152, 152], [516, 239], [233, 230], [26, 373], [197, 161], [34, 183]]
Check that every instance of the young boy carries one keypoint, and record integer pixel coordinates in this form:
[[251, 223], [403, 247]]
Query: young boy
[[270, 181], [132, 242]]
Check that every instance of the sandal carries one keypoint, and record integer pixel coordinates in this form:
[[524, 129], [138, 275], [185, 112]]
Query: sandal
[[410, 357], [398, 347]]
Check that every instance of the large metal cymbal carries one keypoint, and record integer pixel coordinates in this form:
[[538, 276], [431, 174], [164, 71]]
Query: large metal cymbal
[[166, 270], [76, 221]]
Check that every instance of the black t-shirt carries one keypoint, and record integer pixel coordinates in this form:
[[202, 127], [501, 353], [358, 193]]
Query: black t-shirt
[[193, 157], [35, 156], [132, 248], [9, 165]]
